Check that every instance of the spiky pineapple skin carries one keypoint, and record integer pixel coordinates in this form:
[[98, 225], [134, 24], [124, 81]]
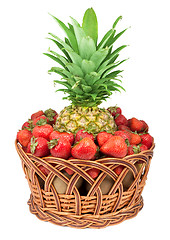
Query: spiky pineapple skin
[[91, 119]]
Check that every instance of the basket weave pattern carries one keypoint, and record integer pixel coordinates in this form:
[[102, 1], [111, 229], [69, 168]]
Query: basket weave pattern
[[93, 210]]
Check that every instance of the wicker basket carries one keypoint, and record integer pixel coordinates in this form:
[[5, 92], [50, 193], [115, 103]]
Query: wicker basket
[[90, 210]]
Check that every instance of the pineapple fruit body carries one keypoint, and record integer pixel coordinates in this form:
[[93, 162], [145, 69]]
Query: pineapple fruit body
[[91, 119]]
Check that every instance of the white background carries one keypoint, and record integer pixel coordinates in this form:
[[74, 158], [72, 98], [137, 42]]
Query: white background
[[26, 87]]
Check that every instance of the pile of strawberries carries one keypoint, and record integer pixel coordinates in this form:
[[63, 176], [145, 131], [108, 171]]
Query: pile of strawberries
[[39, 137]]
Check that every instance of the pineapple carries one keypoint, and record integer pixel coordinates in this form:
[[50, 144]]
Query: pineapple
[[88, 74]]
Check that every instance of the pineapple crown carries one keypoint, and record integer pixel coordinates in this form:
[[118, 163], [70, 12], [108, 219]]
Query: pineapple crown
[[87, 67]]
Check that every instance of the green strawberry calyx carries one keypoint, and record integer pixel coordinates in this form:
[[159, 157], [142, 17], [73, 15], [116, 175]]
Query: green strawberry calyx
[[34, 144], [52, 143]]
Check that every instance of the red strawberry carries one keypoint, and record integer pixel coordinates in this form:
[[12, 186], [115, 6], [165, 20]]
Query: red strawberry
[[132, 149], [125, 135], [44, 170], [93, 172], [114, 110], [40, 120], [64, 135], [143, 147], [145, 126], [115, 147], [85, 149], [38, 147], [135, 139], [60, 148], [24, 137], [42, 131], [82, 134], [51, 115], [122, 127], [103, 137], [121, 120], [28, 125], [136, 125], [68, 170], [118, 169], [147, 139], [37, 114]]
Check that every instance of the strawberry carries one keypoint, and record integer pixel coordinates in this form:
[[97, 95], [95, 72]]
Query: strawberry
[[123, 127], [124, 134], [40, 120], [38, 147], [44, 170], [103, 137], [147, 139], [136, 125], [51, 115], [28, 125], [93, 172], [115, 147], [82, 134], [121, 120], [68, 170], [143, 147], [42, 131], [24, 137], [37, 114], [118, 169], [85, 149], [114, 110], [135, 139], [145, 126], [132, 149], [64, 135], [60, 148]]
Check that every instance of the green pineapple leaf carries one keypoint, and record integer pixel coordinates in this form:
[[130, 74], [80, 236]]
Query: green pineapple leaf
[[61, 47], [87, 47], [55, 59], [90, 24], [79, 32], [69, 33], [99, 56], [87, 66], [75, 70]]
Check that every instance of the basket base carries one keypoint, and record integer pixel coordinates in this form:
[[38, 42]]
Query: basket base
[[85, 221]]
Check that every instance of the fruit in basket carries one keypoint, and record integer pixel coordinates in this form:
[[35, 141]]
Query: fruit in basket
[[103, 137], [93, 172], [85, 149], [43, 130], [129, 178], [24, 137], [136, 125], [135, 138], [115, 147], [37, 114], [82, 134], [106, 185], [38, 147], [40, 120], [61, 186], [51, 115], [60, 148], [147, 139], [121, 120], [63, 135], [115, 110], [88, 74], [124, 134]]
